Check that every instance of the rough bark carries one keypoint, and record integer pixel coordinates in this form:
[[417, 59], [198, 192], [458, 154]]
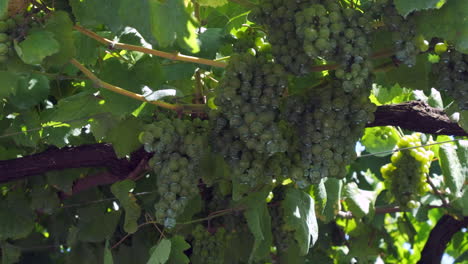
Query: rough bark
[[440, 236], [417, 116], [413, 115], [95, 155]]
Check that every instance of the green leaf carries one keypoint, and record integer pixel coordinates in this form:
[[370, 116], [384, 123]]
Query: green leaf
[[3, 9], [259, 223], [44, 199], [212, 3], [319, 193], [380, 139], [61, 26], [383, 95], [405, 7], [299, 215], [333, 187], [63, 180], [360, 202], [77, 108], [121, 190], [435, 99], [32, 89], [87, 51], [9, 83], [448, 23], [178, 246], [37, 45], [124, 136], [170, 21], [161, 252], [210, 42], [16, 217], [95, 223], [10, 253], [416, 77], [108, 254], [455, 171]]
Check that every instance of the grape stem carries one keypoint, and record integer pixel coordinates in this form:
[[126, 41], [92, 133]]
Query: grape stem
[[175, 107], [172, 56]]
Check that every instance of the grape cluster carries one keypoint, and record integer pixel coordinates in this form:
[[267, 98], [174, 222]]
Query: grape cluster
[[208, 248], [249, 98], [278, 17], [178, 145], [328, 121], [452, 76], [338, 34], [405, 176], [403, 34], [8, 31]]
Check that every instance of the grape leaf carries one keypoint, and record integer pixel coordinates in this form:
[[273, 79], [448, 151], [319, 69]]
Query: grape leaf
[[10, 253], [60, 25], [121, 190], [16, 217], [380, 139], [77, 108], [449, 23], [319, 193], [416, 77], [161, 252], [405, 7], [124, 136], [108, 254], [454, 170], [95, 224], [170, 21], [360, 202], [333, 187], [395, 94], [9, 83], [178, 246], [44, 199], [32, 89], [87, 51], [37, 45], [259, 222], [299, 215]]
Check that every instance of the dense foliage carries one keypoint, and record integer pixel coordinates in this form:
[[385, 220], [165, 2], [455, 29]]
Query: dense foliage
[[257, 146]]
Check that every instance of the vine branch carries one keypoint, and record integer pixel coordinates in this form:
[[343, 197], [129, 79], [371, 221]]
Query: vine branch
[[116, 89], [167, 55]]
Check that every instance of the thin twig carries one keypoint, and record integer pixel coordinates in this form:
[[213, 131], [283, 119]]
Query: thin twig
[[116, 89], [172, 56]]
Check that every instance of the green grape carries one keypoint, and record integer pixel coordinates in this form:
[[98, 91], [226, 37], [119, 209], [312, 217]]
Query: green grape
[[440, 48], [3, 49], [3, 26], [249, 96], [451, 74], [278, 19], [405, 176], [178, 145], [208, 248]]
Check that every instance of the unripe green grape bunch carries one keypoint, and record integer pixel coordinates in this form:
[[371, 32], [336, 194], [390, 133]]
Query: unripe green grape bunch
[[208, 248], [405, 176], [7, 33], [452, 76], [178, 146], [278, 18], [249, 98]]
